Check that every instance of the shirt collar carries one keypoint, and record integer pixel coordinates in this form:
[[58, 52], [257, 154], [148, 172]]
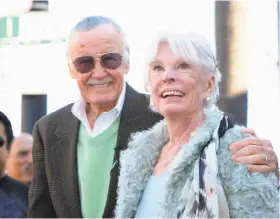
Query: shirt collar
[[121, 99], [79, 107]]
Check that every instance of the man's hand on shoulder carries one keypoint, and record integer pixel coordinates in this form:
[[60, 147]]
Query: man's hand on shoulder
[[257, 153]]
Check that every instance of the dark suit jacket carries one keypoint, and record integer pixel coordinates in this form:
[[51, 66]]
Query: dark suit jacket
[[13, 198], [54, 190]]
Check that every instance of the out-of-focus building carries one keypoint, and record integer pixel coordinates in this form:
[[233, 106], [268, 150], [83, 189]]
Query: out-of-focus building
[[33, 64], [248, 49]]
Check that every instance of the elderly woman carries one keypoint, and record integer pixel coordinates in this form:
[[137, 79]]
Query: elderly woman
[[182, 166]]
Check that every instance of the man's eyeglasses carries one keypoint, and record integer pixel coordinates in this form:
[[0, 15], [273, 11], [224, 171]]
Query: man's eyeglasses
[[85, 64]]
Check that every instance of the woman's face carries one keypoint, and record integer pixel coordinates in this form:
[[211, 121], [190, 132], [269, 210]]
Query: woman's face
[[176, 86]]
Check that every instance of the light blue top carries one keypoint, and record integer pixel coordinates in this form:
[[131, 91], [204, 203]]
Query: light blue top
[[154, 191]]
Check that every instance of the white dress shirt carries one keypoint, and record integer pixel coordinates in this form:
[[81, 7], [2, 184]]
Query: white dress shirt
[[104, 121]]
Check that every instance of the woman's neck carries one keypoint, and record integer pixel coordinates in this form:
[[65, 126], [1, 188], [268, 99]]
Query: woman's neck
[[181, 128]]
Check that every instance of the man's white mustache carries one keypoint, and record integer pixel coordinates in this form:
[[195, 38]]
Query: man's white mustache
[[99, 82]]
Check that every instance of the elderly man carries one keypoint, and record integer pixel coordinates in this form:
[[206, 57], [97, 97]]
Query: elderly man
[[19, 163], [76, 149], [13, 194]]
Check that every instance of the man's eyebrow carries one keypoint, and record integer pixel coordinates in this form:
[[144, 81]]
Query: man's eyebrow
[[109, 49]]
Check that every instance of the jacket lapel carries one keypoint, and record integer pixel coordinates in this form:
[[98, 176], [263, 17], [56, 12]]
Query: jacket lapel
[[133, 119], [65, 152], [127, 116]]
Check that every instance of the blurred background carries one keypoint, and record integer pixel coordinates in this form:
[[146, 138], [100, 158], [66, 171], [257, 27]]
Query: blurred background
[[245, 36]]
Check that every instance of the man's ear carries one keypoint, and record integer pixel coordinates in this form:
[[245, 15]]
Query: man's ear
[[126, 67], [71, 70]]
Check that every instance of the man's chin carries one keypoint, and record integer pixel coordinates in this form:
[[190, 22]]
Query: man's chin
[[105, 102]]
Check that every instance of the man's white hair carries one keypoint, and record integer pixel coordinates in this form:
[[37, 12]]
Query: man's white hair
[[196, 50], [92, 22]]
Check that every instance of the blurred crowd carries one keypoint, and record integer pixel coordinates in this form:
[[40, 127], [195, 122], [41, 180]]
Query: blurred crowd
[[15, 169]]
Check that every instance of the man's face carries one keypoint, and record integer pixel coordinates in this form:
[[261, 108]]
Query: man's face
[[100, 86], [19, 164], [3, 149]]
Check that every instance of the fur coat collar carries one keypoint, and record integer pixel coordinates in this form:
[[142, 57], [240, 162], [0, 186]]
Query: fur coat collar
[[138, 161]]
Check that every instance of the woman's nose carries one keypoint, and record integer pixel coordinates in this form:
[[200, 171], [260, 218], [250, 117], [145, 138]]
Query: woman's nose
[[169, 75]]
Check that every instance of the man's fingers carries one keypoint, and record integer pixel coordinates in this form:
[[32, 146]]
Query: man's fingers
[[251, 159], [266, 143], [249, 150], [260, 168], [248, 131], [256, 149], [243, 143], [257, 161]]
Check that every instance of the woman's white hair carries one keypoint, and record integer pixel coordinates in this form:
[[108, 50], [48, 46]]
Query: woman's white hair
[[195, 49]]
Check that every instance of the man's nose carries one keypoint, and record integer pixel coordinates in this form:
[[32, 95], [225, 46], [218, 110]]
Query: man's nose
[[98, 72]]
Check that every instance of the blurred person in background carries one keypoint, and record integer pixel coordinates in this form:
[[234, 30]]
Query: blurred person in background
[[182, 166], [19, 163], [76, 148], [13, 194]]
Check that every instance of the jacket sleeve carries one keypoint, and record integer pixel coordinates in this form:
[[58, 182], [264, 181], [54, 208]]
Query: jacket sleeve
[[249, 195], [40, 204]]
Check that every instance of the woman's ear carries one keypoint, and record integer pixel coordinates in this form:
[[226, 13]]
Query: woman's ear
[[211, 85]]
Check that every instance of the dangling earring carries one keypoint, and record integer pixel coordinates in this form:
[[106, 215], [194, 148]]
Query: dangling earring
[[207, 99]]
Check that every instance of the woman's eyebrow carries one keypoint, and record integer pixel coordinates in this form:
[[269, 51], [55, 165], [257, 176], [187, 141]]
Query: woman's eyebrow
[[155, 61]]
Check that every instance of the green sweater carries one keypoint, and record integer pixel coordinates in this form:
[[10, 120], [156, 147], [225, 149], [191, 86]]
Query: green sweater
[[95, 160]]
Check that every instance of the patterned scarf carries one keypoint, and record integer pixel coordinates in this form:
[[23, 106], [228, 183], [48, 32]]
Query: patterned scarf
[[206, 195]]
